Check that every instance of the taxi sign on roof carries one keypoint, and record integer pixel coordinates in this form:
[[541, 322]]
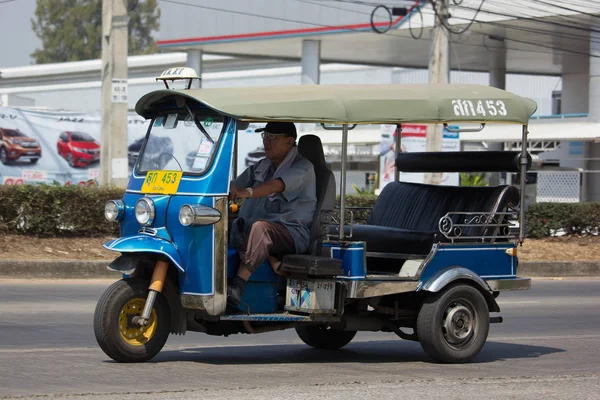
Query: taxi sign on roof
[[178, 73]]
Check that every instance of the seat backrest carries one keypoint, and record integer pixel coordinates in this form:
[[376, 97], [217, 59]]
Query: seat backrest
[[311, 148], [419, 207], [503, 199]]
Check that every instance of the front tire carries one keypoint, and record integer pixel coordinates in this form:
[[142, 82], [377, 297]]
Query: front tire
[[453, 325], [319, 337], [117, 336]]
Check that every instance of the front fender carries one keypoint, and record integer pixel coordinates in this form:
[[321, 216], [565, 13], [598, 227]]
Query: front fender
[[146, 244]]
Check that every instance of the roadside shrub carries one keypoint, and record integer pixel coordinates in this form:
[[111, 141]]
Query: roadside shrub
[[54, 210], [546, 219]]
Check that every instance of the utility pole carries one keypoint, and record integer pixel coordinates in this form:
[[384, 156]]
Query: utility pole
[[113, 154], [438, 74]]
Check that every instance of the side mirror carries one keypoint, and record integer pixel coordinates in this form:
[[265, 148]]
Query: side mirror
[[242, 125]]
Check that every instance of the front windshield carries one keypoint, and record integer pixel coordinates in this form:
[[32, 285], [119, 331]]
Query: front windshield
[[176, 143], [13, 133], [81, 137]]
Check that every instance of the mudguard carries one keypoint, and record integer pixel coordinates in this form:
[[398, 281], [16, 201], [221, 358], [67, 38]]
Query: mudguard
[[446, 277], [146, 244]]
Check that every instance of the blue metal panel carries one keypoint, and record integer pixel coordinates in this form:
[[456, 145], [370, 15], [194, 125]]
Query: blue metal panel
[[488, 261], [129, 225], [352, 255], [148, 244], [260, 294], [196, 244]]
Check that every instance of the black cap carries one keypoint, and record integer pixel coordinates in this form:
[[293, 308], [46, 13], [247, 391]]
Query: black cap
[[286, 128]]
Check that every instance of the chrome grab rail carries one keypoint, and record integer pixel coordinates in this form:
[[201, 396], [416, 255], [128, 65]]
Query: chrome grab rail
[[454, 230]]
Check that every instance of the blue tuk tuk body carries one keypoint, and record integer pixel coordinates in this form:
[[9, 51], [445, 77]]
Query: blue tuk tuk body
[[438, 282]]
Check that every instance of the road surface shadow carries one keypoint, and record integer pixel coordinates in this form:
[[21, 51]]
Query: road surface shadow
[[387, 351]]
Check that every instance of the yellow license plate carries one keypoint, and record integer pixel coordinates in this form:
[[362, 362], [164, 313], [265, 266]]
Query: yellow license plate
[[161, 182]]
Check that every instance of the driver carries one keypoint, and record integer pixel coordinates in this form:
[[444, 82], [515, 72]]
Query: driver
[[275, 220]]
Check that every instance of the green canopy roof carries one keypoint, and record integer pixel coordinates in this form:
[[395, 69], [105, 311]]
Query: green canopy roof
[[356, 104]]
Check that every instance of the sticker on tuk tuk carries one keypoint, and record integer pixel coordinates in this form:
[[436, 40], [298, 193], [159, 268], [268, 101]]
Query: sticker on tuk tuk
[[200, 163], [205, 147], [161, 182]]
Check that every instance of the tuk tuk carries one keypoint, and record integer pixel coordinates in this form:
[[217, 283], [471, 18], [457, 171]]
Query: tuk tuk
[[427, 264]]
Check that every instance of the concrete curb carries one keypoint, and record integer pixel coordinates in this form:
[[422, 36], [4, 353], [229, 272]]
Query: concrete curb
[[559, 269], [22, 269], [58, 269]]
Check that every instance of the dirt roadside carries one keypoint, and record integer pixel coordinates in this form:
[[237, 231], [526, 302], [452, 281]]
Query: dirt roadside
[[14, 247]]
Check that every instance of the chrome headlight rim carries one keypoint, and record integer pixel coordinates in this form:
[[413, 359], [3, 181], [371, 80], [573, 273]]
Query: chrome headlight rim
[[118, 212], [150, 211]]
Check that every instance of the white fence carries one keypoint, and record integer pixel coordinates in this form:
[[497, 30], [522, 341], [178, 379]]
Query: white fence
[[559, 186]]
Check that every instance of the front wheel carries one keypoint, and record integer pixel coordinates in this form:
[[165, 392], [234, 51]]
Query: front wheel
[[320, 337], [115, 332], [453, 325]]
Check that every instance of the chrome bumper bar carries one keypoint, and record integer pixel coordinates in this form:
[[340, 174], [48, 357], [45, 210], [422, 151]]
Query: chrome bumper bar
[[509, 284]]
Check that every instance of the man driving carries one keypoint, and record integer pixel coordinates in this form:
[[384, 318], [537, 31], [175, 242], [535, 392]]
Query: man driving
[[280, 202]]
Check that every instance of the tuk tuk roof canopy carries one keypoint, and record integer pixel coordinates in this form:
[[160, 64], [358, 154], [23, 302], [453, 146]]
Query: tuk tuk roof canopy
[[356, 104]]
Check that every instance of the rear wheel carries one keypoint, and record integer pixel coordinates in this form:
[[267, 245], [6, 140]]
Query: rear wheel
[[320, 337], [453, 325], [115, 332]]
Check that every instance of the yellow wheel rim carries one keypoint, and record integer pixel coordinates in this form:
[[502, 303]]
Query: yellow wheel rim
[[132, 334]]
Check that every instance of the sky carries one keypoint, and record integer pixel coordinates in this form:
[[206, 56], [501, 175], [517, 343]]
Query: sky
[[15, 17]]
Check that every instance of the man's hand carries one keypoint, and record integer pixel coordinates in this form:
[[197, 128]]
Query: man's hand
[[235, 193], [262, 190]]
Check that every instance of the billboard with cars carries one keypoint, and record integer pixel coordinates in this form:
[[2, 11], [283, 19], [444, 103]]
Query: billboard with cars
[[64, 147], [46, 146]]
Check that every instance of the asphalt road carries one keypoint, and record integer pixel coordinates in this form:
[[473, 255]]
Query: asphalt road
[[548, 347]]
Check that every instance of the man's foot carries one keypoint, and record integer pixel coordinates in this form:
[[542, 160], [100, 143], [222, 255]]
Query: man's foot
[[235, 289]]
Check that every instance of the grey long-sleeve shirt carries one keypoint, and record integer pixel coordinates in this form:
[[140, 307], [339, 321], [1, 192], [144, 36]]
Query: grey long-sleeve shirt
[[294, 207]]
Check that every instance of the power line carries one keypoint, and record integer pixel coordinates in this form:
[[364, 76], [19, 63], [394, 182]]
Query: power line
[[536, 20], [387, 33], [255, 15]]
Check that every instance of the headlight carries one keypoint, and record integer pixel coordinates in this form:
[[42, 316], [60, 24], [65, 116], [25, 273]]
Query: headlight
[[186, 215], [114, 209], [198, 215], [144, 211]]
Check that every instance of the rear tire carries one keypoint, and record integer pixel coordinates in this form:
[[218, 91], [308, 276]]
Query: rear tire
[[117, 337], [453, 325], [319, 337]]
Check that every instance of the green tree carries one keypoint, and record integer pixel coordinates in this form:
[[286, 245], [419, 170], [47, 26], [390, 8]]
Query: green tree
[[473, 179], [71, 30]]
